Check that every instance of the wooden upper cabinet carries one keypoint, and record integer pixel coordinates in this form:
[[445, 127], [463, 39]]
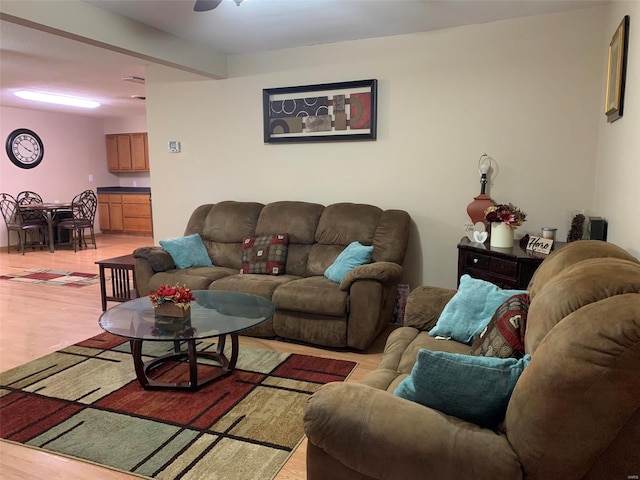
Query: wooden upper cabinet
[[124, 152], [112, 153], [127, 152], [139, 152]]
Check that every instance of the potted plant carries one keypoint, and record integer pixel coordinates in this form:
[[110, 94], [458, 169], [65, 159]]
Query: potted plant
[[504, 219]]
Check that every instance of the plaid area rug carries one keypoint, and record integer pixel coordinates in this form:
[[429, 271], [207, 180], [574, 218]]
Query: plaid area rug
[[53, 277], [84, 401]]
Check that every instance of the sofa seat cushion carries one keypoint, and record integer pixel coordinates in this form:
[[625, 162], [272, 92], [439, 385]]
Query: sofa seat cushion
[[317, 295], [195, 278], [256, 284], [401, 352]]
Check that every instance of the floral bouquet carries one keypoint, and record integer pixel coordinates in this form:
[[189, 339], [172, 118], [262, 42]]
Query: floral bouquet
[[508, 214], [179, 296]]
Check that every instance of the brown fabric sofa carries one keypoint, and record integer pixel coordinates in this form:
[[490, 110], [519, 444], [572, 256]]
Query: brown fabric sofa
[[574, 413], [309, 307]]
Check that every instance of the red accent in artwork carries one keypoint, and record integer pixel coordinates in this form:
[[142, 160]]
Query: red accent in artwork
[[360, 111]]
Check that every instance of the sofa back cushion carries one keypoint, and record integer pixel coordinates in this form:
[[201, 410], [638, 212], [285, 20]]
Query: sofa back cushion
[[224, 227], [570, 254], [300, 221], [344, 223], [583, 283]]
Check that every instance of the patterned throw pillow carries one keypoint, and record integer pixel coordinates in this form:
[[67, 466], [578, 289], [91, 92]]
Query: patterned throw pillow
[[504, 335], [266, 254]]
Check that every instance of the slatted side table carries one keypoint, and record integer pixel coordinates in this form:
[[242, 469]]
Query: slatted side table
[[123, 279]]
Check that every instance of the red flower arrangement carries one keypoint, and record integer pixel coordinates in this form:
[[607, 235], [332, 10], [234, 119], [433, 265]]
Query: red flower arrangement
[[180, 296], [508, 214]]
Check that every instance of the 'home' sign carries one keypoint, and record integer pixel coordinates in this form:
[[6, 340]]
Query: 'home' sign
[[540, 245]]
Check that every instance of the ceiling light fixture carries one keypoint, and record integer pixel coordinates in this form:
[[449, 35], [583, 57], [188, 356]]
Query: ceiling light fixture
[[57, 99], [133, 79], [138, 97]]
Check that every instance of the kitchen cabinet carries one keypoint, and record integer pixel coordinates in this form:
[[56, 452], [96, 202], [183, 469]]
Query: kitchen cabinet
[[127, 212], [136, 213], [127, 152]]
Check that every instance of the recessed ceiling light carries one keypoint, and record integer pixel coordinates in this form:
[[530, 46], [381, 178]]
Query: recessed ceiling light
[[58, 99]]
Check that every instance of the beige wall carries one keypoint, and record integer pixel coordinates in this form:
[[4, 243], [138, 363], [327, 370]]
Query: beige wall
[[526, 91], [617, 180]]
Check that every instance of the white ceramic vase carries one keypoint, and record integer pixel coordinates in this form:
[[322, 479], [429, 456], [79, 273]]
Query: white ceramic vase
[[501, 235]]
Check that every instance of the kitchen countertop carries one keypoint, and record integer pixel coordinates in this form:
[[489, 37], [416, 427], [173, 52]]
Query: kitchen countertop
[[123, 190]]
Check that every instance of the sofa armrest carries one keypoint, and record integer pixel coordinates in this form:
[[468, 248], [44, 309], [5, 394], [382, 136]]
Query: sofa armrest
[[387, 273], [150, 260], [424, 306], [385, 437]]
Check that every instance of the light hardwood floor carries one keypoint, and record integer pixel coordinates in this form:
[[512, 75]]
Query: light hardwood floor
[[38, 319]]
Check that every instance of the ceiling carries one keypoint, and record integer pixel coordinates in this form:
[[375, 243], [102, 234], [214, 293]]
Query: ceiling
[[33, 59]]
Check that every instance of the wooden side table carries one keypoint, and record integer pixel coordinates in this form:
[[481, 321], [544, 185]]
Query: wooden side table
[[123, 279], [505, 267]]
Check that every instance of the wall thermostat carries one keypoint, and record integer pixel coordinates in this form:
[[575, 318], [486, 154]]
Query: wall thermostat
[[174, 146]]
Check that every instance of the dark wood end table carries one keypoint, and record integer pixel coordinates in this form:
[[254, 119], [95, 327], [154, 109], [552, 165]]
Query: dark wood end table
[[123, 279], [505, 267]]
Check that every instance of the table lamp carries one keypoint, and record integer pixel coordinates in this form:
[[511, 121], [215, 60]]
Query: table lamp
[[476, 209]]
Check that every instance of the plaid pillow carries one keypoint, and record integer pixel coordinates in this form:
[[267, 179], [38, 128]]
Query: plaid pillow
[[504, 335], [266, 254]]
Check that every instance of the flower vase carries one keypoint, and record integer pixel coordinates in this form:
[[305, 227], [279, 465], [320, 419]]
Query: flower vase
[[501, 235]]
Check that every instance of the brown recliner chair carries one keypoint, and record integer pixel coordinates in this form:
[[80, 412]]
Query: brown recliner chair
[[574, 413]]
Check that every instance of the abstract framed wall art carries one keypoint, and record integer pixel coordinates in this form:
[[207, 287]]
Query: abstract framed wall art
[[320, 113], [617, 71]]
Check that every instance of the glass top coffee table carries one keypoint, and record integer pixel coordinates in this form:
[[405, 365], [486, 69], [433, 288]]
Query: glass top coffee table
[[213, 314]]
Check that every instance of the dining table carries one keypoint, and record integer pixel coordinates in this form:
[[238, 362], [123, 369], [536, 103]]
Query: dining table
[[48, 210]]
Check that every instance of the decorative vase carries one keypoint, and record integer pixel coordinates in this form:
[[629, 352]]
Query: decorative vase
[[501, 235], [476, 209]]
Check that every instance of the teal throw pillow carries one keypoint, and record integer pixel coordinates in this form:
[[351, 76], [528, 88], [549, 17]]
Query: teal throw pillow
[[353, 256], [470, 309], [475, 389], [187, 251]]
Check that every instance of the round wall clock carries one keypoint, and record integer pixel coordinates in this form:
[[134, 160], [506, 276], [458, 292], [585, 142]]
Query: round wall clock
[[24, 147]]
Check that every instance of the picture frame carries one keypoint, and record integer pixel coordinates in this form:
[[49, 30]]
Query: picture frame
[[326, 112], [617, 71]]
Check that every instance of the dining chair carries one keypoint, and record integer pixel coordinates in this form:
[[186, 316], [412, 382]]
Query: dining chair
[[27, 197], [20, 222], [83, 210]]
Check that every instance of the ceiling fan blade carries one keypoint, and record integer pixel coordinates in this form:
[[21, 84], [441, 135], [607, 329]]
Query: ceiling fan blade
[[205, 5]]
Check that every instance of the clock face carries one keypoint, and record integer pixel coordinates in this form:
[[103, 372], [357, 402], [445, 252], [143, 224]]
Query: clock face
[[24, 147]]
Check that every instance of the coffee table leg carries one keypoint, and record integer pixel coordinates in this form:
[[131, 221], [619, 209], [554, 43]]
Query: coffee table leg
[[234, 351], [193, 364], [136, 353]]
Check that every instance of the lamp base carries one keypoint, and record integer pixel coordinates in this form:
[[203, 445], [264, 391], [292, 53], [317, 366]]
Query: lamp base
[[476, 209]]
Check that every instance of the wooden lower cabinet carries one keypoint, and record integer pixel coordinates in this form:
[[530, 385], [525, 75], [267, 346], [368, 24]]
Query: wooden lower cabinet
[[125, 212], [136, 213]]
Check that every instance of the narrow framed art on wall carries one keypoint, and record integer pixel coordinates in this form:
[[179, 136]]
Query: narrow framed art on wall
[[617, 71], [324, 112]]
